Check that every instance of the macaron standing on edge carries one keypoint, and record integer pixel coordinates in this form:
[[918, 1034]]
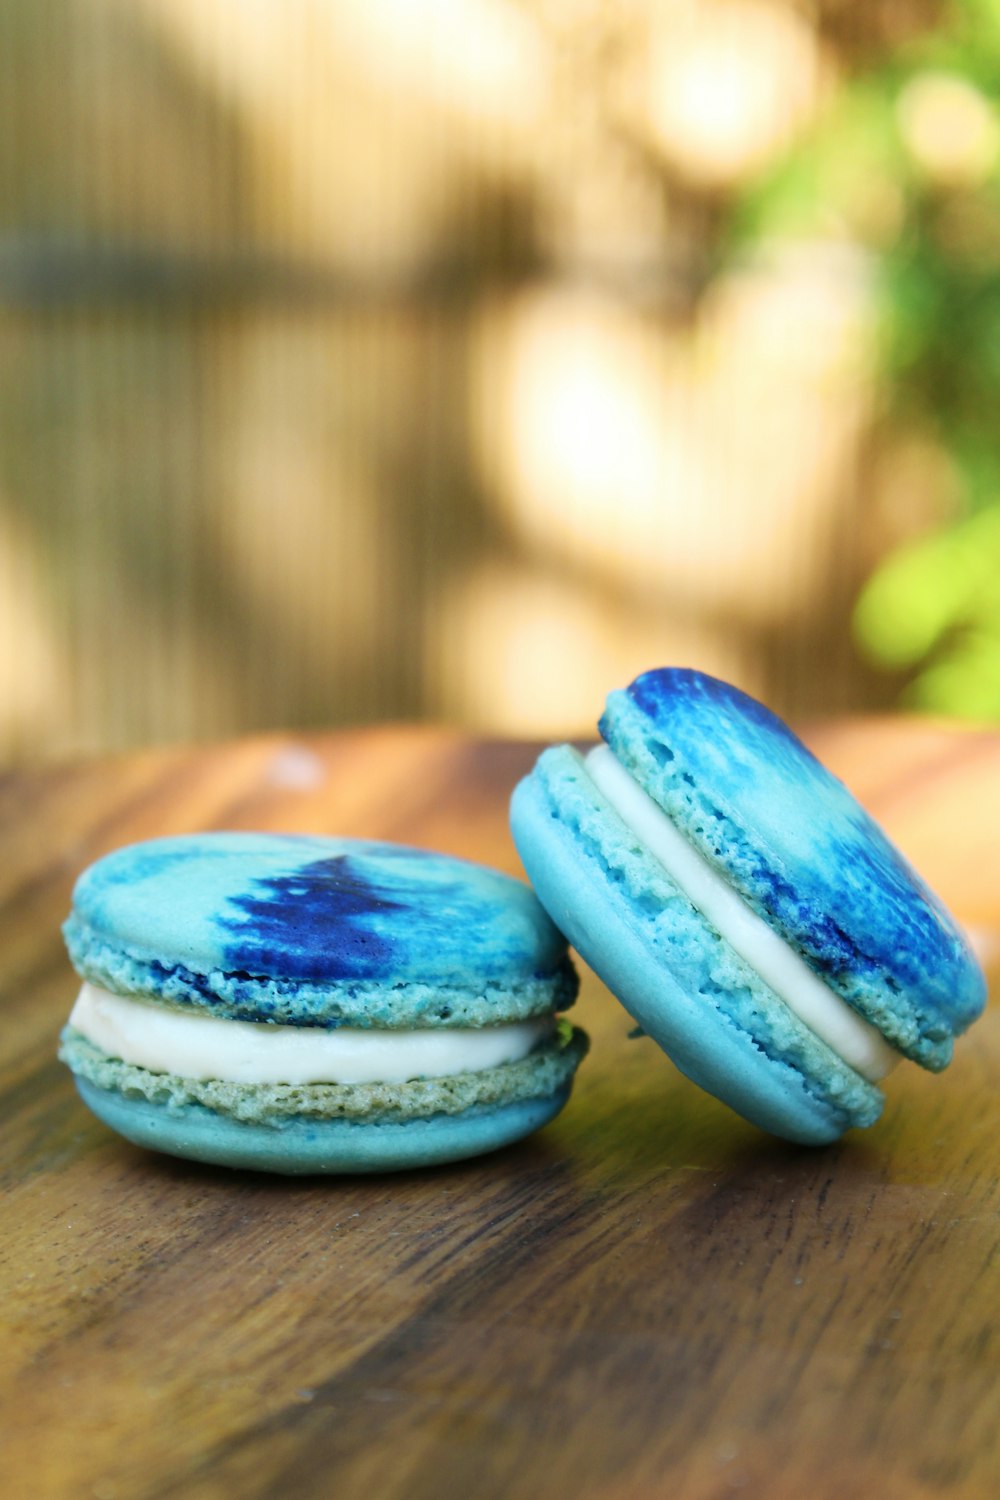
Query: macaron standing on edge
[[743, 906], [300, 1004]]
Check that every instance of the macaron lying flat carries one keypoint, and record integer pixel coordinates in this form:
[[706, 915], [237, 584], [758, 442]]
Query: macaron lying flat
[[299, 1004], [743, 907]]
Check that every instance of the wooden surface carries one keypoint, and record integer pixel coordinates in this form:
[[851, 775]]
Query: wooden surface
[[647, 1299]]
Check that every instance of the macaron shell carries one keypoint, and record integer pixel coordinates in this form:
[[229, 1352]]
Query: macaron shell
[[799, 848], [307, 1145], [692, 994], [546, 1070], [299, 929]]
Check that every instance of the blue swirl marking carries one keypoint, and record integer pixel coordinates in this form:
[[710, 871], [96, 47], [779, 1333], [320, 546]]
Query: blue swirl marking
[[749, 795], [665, 692], [316, 909], [322, 913]]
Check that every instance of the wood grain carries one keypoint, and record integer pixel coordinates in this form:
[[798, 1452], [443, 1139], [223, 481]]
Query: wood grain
[[648, 1299]]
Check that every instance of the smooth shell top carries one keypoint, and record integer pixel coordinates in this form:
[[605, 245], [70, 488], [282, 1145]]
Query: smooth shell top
[[262, 914], [796, 844]]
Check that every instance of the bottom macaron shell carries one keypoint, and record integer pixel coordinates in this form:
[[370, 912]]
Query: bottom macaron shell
[[306, 1145], [597, 916]]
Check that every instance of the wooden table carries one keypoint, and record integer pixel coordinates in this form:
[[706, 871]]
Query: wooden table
[[649, 1298]]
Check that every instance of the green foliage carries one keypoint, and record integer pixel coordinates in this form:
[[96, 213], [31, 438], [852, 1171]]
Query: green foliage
[[931, 230], [935, 604]]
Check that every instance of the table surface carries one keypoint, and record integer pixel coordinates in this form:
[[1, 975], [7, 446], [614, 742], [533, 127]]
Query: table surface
[[649, 1298]]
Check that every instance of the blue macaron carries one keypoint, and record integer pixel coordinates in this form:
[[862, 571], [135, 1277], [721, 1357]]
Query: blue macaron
[[304, 1004], [743, 907]]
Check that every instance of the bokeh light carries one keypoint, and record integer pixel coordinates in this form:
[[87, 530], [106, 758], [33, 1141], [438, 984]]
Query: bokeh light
[[390, 359]]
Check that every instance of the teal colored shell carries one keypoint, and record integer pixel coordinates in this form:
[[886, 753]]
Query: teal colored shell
[[317, 931], [688, 990], [321, 932], [802, 851], [328, 1127], [797, 846]]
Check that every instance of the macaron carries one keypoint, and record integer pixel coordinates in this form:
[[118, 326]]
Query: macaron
[[300, 1004], [743, 907]]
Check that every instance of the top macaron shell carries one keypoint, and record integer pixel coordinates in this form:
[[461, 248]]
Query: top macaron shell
[[317, 930], [791, 839]]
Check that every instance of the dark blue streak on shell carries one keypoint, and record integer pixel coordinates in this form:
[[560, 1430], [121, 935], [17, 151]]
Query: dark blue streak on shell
[[316, 923], [246, 919], [662, 693], [751, 798]]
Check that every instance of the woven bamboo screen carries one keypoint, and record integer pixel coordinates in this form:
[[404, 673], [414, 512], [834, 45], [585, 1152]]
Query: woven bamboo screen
[[367, 359]]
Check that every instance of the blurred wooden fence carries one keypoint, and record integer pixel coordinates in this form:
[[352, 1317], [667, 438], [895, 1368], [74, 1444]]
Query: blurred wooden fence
[[370, 359]]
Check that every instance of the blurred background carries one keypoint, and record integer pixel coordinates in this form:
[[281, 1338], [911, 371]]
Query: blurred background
[[458, 359]]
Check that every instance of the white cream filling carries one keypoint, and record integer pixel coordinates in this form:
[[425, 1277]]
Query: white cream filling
[[778, 965], [204, 1047]]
